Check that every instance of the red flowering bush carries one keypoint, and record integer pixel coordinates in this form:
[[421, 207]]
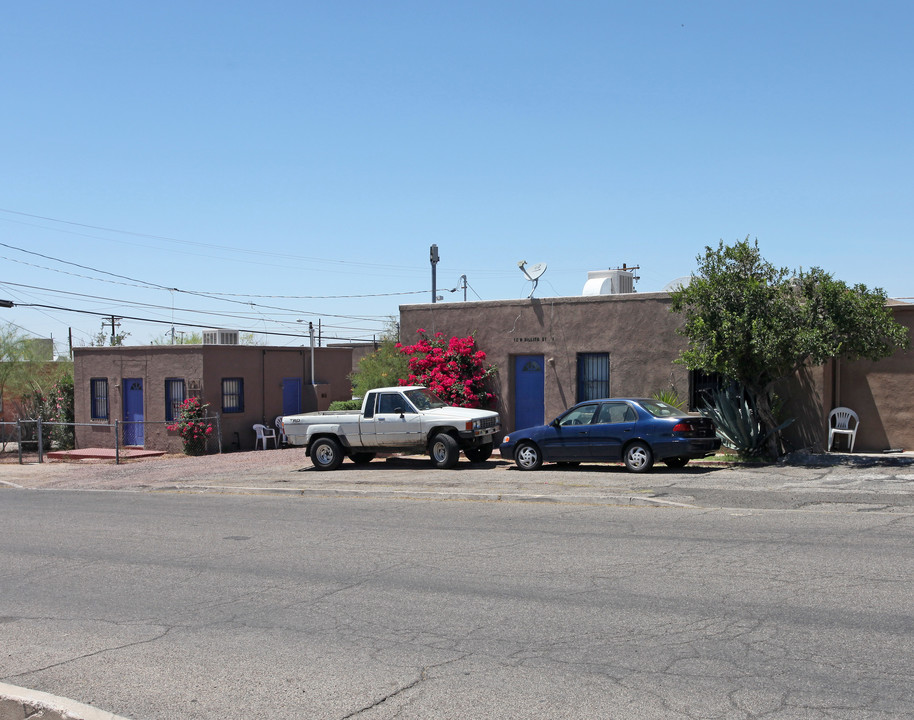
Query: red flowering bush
[[455, 370], [192, 425]]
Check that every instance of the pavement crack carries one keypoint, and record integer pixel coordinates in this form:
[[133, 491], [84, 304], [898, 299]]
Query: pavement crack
[[102, 651], [423, 675]]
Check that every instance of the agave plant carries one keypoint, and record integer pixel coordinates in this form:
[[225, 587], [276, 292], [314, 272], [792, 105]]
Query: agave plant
[[670, 397], [734, 414]]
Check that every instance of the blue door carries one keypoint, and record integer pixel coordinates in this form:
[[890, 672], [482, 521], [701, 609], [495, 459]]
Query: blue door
[[291, 396], [133, 411], [529, 392]]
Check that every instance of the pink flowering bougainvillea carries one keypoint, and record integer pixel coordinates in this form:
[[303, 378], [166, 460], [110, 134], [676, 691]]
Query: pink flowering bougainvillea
[[191, 424], [454, 369]]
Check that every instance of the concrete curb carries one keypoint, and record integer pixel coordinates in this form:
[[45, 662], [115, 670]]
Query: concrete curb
[[18, 703]]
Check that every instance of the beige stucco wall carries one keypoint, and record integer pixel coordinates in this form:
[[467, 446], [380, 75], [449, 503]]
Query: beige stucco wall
[[153, 365], [203, 368], [881, 393], [637, 330]]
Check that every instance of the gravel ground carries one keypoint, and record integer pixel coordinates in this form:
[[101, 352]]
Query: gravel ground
[[148, 473]]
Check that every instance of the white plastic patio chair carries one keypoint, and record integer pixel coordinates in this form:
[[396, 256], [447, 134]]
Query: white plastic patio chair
[[282, 433], [264, 434], [839, 423]]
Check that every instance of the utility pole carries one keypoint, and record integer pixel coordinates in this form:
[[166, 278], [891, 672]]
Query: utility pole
[[311, 333], [463, 278], [113, 326], [433, 258]]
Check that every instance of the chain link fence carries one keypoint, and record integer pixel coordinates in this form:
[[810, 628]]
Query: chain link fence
[[35, 436]]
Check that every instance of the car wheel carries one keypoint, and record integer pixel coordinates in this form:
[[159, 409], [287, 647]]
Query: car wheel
[[326, 454], [362, 458], [479, 454], [638, 457], [444, 451], [676, 462], [528, 457]]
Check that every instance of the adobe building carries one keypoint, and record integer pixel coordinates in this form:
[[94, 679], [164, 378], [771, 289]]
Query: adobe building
[[554, 352], [141, 387]]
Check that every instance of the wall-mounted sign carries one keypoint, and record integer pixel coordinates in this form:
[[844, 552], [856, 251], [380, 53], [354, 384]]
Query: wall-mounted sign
[[532, 339]]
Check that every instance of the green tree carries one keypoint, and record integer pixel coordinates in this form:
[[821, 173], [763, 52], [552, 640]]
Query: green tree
[[385, 367], [14, 352], [756, 324]]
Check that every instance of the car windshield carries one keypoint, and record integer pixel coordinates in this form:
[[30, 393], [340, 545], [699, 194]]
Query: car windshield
[[660, 409], [425, 399]]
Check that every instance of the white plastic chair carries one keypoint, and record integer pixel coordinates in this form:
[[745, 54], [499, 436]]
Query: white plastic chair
[[263, 435], [839, 423], [282, 433]]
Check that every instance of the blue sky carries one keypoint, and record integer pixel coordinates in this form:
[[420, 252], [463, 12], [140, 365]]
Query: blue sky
[[272, 160]]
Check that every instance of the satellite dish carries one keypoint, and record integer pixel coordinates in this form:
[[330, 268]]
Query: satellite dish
[[533, 273], [677, 284]]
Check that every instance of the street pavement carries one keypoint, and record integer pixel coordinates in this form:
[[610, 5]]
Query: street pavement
[[806, 483]]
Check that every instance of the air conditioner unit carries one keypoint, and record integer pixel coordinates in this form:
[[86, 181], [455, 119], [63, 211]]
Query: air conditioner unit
[[609, 282], [220, 337]]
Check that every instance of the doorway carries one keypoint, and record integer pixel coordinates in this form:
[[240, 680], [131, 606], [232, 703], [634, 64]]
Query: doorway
[[133, 411], [529, 391]]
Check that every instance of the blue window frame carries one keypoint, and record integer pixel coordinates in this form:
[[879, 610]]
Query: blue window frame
[[98, 389], [593, 376], [232, 395], [175, 394]]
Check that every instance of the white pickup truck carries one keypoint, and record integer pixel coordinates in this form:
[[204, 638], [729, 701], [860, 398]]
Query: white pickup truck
[[395, 419]]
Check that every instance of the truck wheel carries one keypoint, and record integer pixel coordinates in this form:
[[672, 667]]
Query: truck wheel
[[326, 454], [362, 458], [528, 456], [479, 454], [638, 457], [444, 451]]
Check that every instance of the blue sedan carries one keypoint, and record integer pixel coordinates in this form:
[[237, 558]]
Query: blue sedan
[[635, 431]]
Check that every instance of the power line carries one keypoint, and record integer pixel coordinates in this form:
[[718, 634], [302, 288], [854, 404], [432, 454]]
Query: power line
[[156, 286], [133, 303], [208, 293], [182, 324]]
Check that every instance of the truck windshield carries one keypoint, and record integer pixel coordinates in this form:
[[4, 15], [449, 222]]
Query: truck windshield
[[425, 399]]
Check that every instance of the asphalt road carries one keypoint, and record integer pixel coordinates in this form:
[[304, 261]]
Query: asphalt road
[[178, 604]]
